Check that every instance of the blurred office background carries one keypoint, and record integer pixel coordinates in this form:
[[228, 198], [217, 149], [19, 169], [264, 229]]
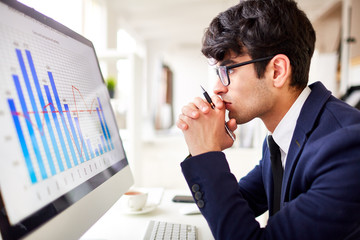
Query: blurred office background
[[151, 51]]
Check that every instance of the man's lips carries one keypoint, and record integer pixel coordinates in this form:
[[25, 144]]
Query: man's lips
[[227, 104]]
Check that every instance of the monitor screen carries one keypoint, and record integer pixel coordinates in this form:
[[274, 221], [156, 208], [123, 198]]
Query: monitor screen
[[59, 141]]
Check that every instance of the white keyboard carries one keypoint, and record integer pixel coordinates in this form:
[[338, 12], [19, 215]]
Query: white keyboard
[[169, 231]]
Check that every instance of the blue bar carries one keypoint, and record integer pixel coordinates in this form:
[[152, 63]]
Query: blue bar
[[22, 141], [90, 148], [66, 130], [30, 127], [81, 138], [107, 129], [103, 129], [96, 152], [101, 151], [44, 111], [103, 142], [33, 104], [73, 132], [57, 126]]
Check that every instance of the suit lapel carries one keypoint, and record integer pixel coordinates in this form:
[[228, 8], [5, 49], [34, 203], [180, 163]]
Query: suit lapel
[[305, 124]]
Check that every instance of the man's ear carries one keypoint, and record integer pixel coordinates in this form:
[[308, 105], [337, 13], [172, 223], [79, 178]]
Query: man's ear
[[281, 70]]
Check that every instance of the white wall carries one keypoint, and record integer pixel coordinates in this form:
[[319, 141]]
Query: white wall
[[190, 70], [354, 75], [323, 68]]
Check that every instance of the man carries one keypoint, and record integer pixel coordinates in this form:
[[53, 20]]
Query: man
[[262, 50]]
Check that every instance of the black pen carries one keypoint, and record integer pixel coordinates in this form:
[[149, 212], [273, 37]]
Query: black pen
[[208, 99]]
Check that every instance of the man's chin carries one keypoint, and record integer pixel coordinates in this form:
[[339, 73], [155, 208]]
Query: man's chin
[[238, 119]]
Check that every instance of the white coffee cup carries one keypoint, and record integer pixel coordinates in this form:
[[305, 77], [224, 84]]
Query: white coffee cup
[[134, 200]]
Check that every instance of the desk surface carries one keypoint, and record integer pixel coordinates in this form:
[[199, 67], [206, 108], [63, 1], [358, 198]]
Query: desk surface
[[116, 224]]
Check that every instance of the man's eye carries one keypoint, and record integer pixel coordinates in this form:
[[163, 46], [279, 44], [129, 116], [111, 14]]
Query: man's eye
[[230, 71]]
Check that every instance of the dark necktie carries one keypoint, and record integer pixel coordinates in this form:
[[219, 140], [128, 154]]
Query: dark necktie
[[277, 172]]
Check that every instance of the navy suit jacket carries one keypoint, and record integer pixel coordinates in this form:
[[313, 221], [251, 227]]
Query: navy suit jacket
[[320, 196]]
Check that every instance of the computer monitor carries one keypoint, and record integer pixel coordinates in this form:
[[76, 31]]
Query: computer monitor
[[62, 162]]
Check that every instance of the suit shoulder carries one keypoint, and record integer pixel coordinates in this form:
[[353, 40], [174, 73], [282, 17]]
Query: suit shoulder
[[340, 113]]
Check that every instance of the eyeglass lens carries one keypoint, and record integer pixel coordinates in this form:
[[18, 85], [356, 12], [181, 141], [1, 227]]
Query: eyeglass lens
[[222, 74]]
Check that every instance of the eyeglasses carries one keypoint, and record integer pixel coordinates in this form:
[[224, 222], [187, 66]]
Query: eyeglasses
[[223, 71]]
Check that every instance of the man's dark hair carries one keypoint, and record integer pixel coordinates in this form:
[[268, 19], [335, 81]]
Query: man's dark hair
[[263, 28]]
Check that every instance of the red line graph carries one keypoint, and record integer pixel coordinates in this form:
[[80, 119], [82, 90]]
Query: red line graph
[[44, 111]]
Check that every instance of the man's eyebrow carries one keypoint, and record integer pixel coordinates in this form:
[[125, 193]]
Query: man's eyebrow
[[227, 62]]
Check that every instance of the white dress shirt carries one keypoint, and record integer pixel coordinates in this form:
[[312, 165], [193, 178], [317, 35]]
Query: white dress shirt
[[284, 131]]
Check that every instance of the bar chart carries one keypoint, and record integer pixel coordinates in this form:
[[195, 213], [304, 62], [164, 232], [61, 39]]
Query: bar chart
[[51, 132]]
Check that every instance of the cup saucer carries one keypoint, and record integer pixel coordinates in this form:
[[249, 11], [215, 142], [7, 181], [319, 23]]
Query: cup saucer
[[146, 209]]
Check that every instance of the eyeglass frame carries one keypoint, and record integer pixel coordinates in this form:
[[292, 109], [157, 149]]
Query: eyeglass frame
[[227, 68]]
